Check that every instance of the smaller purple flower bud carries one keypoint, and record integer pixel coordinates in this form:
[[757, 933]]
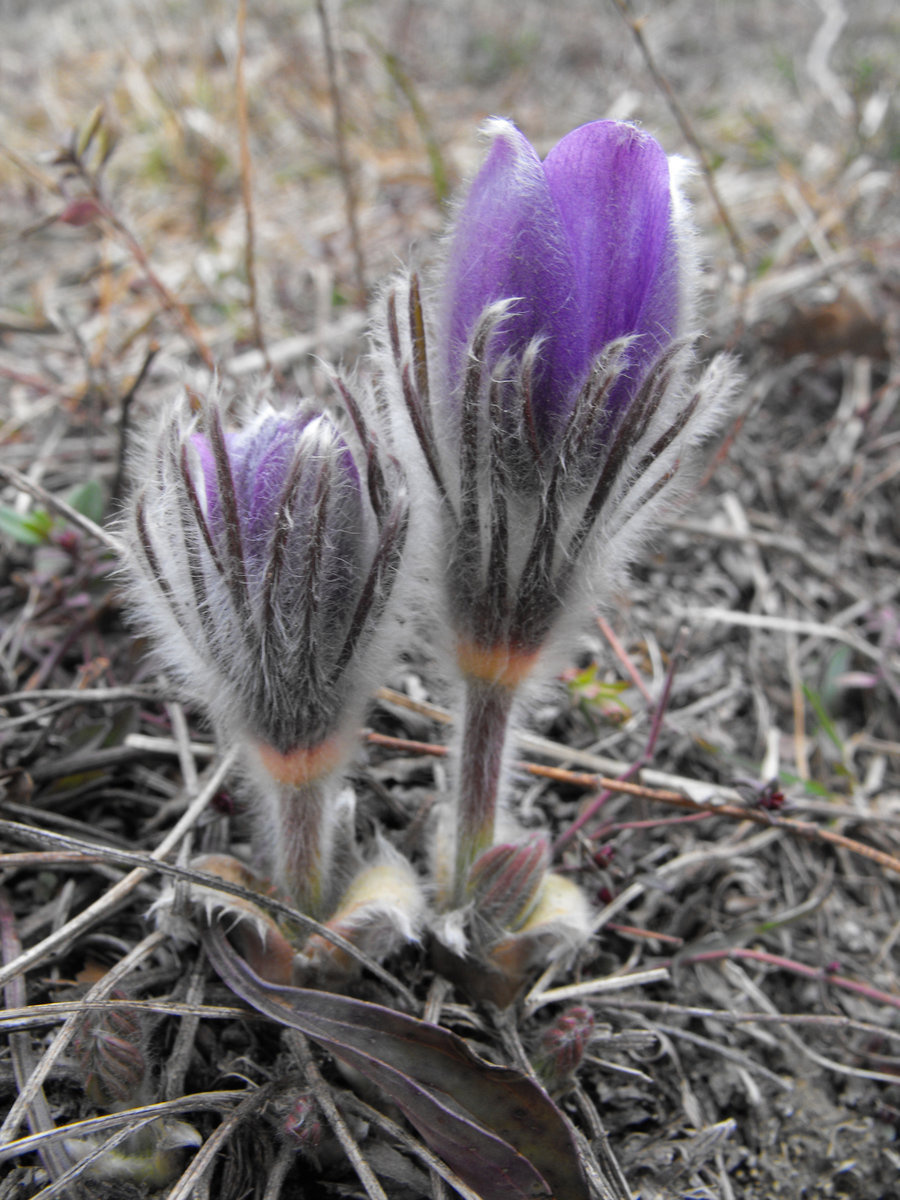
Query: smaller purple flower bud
[[264, 548], [264, 563], [504, 883]]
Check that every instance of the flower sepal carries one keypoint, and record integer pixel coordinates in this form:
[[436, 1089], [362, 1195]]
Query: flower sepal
[[381, 910], [254, 932], [519, 916], [153, 1157]]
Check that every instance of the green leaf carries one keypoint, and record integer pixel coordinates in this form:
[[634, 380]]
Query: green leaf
[[31, 529], [824, 720], [89, 499]]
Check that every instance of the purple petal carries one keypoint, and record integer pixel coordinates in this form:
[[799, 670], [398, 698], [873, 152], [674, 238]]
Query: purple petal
[[610, 183], [261, 457], [509, 243]]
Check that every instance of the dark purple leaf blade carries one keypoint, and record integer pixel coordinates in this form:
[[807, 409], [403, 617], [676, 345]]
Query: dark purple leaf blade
[[493, 1126]]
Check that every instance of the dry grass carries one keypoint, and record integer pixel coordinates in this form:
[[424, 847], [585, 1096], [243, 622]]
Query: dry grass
[[744, 978]]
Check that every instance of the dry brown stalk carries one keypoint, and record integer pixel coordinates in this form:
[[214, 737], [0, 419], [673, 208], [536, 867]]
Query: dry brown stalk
[[204, 1160], [804, 829], [58, 505], [169, 300], [333, 1116], [686, 127], [351, 203], [247, 182], [54, 1157], [397, 1133]]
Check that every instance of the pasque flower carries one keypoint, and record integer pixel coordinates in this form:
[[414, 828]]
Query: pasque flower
[[551, 398], [264, 562]]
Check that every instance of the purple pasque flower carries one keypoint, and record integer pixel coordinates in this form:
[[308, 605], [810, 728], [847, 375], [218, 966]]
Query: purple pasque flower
[[264, 563], [556, 400], [583, 249], [551, 399]]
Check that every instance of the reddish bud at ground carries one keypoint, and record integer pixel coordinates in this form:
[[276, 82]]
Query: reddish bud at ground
[[304, 1122], [110, 1051], [563, 1045], [79, 212], [604, 854]]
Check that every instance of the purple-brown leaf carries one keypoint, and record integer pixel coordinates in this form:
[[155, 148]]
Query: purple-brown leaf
[[495, 1128]]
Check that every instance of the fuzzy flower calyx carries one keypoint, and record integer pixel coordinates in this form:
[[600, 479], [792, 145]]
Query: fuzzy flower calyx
[[266, 558]]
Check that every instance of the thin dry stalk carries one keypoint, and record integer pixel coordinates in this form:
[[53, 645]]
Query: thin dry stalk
[[196, 1102], [351, 203], [34, 1015], [397, 1133], [82, 1167], [287, 1156], [622, 655], [802, 829], [247, 183], [58, 505], [183, 1048], [746, 984], [205, 1158], [820, 974], [40, 1118], [169, 301], [686, 128], [600, 1141]]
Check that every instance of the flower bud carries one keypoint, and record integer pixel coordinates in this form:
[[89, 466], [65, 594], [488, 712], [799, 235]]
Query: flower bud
[[303, 1123], [110, 1051], [382, 908], [264, 559], [549, 399], [264, 562], [504, 883], [563, 1046]]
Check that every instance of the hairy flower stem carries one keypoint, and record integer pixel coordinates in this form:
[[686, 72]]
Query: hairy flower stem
[[301, 854], [488, 706]]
